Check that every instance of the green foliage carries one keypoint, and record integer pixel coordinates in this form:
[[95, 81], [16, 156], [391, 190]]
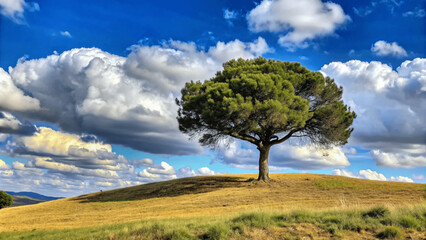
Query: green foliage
[[409, 222], [5, 200], [390, 233], [376, 212], [254, 100]]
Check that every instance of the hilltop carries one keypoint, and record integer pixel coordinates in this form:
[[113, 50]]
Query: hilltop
[[210, 196]]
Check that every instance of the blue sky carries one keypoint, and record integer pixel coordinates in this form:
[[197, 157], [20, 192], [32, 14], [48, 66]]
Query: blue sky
[[88, 87]]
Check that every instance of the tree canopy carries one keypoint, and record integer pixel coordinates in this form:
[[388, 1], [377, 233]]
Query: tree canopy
[[5, 200], [265, 102]]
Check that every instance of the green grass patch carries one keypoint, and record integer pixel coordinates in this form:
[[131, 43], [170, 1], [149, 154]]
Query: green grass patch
[[376, 212], [259, 219], [409, 222], [390, 233]]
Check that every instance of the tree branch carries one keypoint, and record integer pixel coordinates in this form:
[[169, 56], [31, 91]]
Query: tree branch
[[245, 137], [285, 138]]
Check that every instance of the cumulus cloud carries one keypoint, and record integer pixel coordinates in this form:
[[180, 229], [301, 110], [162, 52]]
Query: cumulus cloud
[[64, 174], [64, 162], [164, 171], [300, 20], [383, 48], [370, 175], [390, 108], [399, 160], [52, 165], [51, 142], [3, 165], [401, 179], [283, 156], [66, 153], [122, 100], [14, 99], [189, 172], [11, 125], [96, 98], [14, 9], [142, 162]]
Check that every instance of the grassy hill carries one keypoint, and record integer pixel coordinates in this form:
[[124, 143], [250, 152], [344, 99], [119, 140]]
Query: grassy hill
[[24, 200], [212, 197]]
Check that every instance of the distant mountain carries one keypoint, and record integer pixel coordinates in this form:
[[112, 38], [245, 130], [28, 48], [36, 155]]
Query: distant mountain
[[33, 195], [24, 200]]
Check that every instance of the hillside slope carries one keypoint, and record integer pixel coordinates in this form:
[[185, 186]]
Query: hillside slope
[[24, 200], [210, 196], [33, 195]]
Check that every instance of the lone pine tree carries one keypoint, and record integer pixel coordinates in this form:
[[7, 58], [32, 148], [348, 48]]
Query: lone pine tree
[[265, 102]]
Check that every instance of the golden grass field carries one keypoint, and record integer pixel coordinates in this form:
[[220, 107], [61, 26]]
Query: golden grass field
[[211, 196]]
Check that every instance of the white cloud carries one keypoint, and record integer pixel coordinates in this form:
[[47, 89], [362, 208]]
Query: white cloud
[[382, 48], [3, 165], [16, 99], [50, 164], [49, 141], [401, 179], [188, 172], [229, 15], [371, 175], [11, 125], [14, 9], [245, 155], [3, 137], [399, 160], [7, 120], [64, 153], [49, 176], [205, 171], [142, 162], [158, 171], [344, 172], [389, 106], [66, 34], [123, 100], [302, 20], [350, 150]]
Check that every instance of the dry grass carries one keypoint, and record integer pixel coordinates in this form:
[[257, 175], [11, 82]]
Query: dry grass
[[209, 197]]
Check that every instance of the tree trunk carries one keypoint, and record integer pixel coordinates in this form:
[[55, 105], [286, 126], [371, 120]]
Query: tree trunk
[[263, 164]]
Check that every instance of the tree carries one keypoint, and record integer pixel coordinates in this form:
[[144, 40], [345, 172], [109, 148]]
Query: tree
[[5, 200], [265, 102]]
